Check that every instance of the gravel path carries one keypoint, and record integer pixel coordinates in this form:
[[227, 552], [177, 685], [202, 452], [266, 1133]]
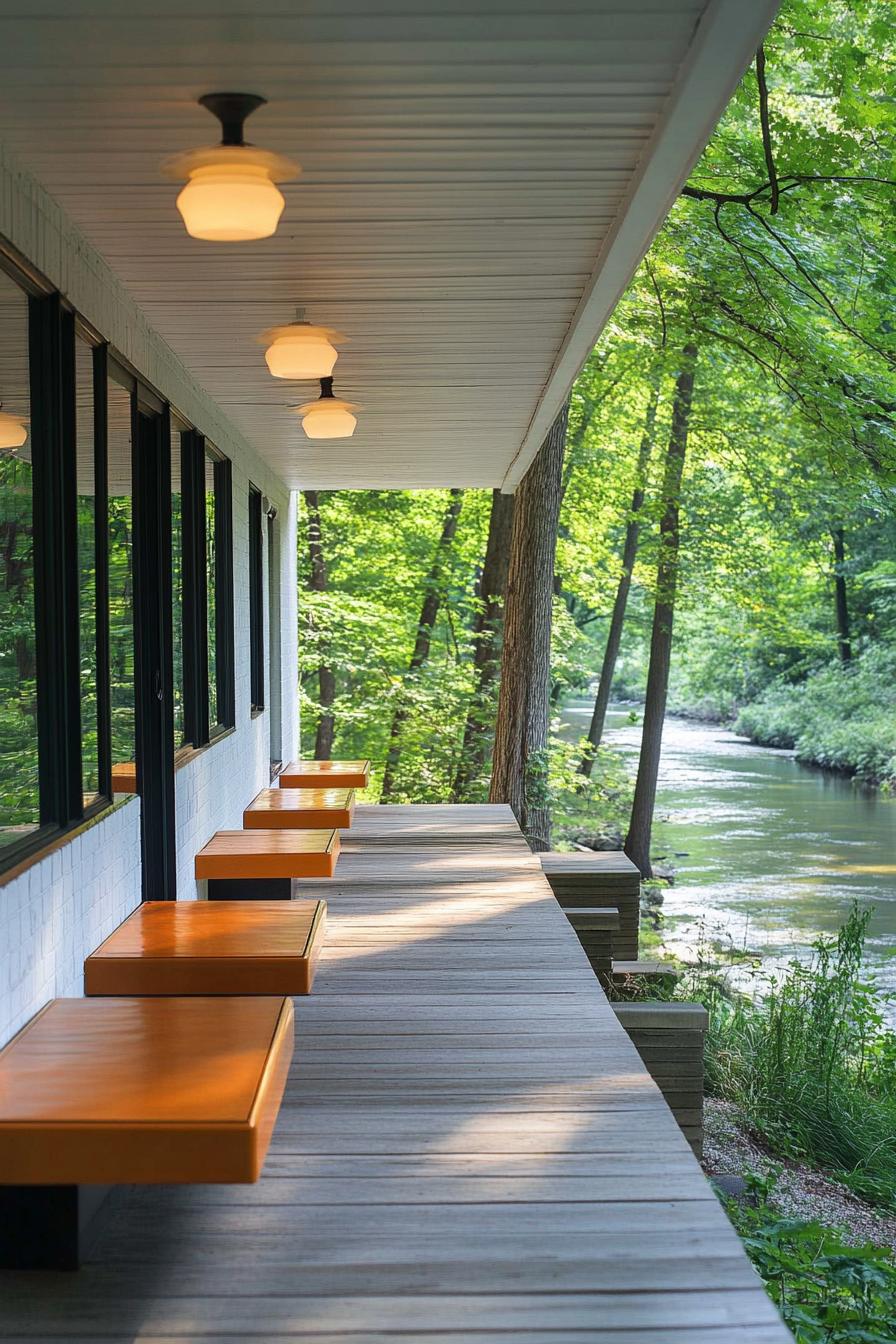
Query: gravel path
[[799, 1192]]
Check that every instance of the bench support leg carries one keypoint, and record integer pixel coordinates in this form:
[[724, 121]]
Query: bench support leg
[[48, 1226], [250, 888]]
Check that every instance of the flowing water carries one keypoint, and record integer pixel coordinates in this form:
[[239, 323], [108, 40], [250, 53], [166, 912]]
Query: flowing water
[[767, 853]]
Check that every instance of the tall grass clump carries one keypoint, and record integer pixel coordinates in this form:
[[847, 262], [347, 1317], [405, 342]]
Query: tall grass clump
[[810, 1065]]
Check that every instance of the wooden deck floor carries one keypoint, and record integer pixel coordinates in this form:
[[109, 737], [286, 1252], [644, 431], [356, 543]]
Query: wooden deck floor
[[469, 1150]]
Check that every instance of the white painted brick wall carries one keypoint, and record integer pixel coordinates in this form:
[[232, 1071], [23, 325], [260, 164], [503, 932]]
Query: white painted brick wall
[[56, 912], [59, 910]]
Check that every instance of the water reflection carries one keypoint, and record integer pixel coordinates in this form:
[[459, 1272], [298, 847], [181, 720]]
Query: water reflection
[[768, 853]]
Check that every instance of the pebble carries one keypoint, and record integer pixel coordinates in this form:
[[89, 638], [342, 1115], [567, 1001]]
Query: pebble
[[800, 1192]]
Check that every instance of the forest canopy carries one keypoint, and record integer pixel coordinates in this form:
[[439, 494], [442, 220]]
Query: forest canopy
[[730, 457]]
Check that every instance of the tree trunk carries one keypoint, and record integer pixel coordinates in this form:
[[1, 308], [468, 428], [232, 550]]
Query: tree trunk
[[519, 765], [637, 844], [486, 644], [617, 620], [432, 597], [844, 642], [326, 680]]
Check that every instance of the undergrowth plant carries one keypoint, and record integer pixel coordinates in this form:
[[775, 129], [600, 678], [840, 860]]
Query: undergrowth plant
[[827, 1291], [809, 1063]]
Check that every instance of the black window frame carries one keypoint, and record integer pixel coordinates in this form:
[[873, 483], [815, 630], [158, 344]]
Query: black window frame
[[256, 601], [53, 328], [225, 687], [195, 645], [123, 377], [101, 485], [74, 330], [198, 728], [275, 725]]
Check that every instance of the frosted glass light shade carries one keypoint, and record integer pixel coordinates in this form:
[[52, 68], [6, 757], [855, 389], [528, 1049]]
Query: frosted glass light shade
[[231, 193], [301, 351], [13, 432], [230, 205], [329, 419]]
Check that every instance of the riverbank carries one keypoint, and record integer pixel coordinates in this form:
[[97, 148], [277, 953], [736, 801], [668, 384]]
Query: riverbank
[[770, 854], [797, 1190], [840, 717], [767, 853], [800, 1136]]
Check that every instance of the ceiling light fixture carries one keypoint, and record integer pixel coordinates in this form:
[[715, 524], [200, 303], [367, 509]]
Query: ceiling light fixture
[[231, 194], [328, 417], [13, 431], [300, 350]]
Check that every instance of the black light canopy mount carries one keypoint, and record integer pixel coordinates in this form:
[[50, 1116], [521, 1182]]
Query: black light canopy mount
[[232, 109]]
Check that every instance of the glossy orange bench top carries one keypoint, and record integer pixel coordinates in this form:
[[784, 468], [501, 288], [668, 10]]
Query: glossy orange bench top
[[269, 853], [115, 1091], [318, 774], [302, 808], [219, 947], [124, 777]]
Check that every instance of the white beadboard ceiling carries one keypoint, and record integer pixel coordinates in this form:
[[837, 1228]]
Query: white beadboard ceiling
[[480, 179]]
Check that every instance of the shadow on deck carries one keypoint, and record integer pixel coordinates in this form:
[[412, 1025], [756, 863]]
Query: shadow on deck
[[469, 1146]]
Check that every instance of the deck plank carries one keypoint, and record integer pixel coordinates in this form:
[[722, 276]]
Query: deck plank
[[469, 1147]]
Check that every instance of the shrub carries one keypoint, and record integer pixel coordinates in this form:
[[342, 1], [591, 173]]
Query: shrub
[[827, 1291], [840, 717], [590, 811]]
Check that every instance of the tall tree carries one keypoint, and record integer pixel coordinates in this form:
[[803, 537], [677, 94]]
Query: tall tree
[[519, 763], [432, 597], [487, 627], [637, 844], [844, 642], [629, 554], [326, 680]]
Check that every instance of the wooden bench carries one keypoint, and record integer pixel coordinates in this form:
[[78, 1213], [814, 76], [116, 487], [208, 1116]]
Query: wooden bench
[[124, 777], [325, 774], [263, 865], [103, 1092], [198, 947], [300, 809]]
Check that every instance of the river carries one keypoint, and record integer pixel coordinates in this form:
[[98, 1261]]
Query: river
[[767, 853]]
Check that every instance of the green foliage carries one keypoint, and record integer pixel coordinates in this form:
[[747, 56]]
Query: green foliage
[[19, 803], [809, 1062], [842, 717], [378, 547], [789, 297], [828, 1291], [591, 811]]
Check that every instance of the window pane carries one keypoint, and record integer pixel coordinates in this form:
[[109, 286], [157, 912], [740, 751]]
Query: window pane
[[256, 598], [86, 520], [211, 571], [177, 588], [121, 575], [19, 795], [274, 637]]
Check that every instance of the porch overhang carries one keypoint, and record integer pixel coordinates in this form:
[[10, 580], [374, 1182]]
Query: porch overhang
[[478, 186]]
